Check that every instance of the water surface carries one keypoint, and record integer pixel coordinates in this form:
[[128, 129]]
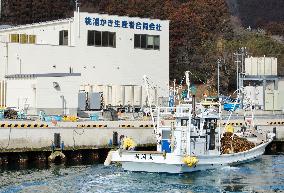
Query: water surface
[[263, 175]]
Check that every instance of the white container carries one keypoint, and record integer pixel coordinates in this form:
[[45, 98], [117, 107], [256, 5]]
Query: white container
[[137, 96], [259, 95], [3, 90], [129, 95], [153, 96], [259, 66], [118, 93], [250, 94]]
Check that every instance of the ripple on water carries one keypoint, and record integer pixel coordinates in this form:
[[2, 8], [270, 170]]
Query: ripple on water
[[264, 175]]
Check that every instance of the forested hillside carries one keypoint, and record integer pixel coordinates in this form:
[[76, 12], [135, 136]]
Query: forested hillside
[[201, 31]]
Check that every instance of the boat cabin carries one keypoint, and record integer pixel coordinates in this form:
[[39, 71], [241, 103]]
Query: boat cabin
[[187, 135]]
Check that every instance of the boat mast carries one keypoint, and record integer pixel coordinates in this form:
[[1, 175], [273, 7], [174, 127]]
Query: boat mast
[[219, 125], [188, 129], [149, 102], [187, 82]]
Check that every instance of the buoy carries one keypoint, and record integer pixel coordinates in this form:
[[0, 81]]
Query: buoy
[[190, 160], [128, 143], [57, 155], [229, 129]]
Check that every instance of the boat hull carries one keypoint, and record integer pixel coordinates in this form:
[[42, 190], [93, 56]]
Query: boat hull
[[169, 163]]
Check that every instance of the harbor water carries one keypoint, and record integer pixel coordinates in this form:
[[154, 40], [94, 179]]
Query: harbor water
[[263, 175]]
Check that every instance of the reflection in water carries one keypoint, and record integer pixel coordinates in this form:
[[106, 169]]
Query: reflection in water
[[264, 175]]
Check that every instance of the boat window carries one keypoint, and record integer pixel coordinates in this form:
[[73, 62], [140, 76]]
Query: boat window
[[196, 122], [166, 134], [184, 122]]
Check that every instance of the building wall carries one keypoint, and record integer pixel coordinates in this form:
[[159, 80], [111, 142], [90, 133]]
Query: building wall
[[38, 94], [20, 92], [281, 94], [261, 66], [50, 98], [122, 65], [3, 89], [43, 137], [274, 99], [46, 32]]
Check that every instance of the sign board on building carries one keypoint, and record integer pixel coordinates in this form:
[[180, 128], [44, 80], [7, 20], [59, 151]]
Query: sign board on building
[[120, 23]]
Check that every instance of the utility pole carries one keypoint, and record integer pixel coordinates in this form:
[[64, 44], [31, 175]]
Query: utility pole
[[237, 61], [218, 62], [243, 52], [241, 83], [174, 91]]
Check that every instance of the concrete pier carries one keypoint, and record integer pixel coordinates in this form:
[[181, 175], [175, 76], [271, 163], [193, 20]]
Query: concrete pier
[[91, 135], [40, 139]]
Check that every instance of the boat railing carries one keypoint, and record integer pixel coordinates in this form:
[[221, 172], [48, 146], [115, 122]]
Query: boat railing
[[183, 111]]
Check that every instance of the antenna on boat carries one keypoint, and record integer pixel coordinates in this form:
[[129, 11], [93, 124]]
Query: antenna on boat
[[187, 82]]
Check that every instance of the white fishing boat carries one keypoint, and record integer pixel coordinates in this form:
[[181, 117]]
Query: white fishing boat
[[189, 139], [186, 143]]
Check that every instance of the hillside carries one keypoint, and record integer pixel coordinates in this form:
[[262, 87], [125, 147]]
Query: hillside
[[265, 14], [201, 31]]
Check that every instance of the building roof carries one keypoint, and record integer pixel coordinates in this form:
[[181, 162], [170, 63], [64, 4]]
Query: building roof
[[42, 75], [9, 27]]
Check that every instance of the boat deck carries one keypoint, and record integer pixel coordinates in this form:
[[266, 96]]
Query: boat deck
[[145, 152]]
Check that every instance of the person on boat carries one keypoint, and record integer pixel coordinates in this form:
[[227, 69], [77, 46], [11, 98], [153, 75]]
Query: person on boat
[[159, 140], [172, 142], [120, 143]]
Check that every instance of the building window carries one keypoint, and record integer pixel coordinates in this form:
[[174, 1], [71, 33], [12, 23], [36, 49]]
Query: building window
[[98, 38], [144, 41], [63, 37], [101, 38], [32, 39], [14, 38], [23, 38], [91, 38]]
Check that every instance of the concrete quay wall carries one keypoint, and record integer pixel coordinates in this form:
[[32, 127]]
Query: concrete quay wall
[[39, 138], [92, 134]]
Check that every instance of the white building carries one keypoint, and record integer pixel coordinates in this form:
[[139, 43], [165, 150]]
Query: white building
[[265, 89], [104, 49]]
